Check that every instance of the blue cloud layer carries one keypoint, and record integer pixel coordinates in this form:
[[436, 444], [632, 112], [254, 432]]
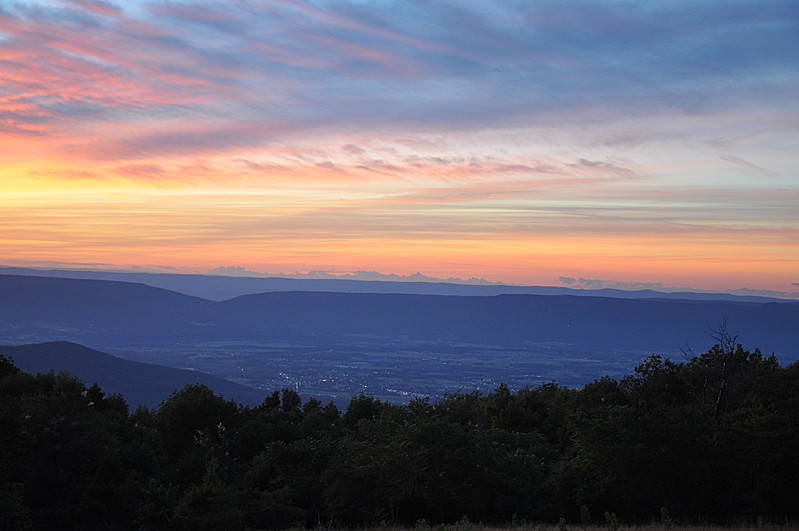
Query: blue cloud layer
[[414, 63]]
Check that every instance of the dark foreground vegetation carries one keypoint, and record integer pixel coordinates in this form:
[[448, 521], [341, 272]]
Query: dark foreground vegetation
[[714, 439]]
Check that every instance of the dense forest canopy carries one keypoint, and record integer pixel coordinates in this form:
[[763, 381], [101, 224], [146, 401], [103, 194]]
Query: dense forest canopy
[[714, 438]]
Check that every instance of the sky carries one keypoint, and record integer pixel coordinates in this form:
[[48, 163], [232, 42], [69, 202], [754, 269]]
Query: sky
[[579, 142]]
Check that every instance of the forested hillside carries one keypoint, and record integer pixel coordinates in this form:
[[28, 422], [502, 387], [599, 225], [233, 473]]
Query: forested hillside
[[711, 439], [139, 383]]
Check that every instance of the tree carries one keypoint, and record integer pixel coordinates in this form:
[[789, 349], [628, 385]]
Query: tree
[[192, 416], [58, 450]]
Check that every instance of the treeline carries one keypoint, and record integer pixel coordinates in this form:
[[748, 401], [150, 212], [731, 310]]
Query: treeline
[[712, 439]]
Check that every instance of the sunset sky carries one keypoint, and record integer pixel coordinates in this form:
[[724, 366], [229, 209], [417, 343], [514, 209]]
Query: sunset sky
[[636, 143]]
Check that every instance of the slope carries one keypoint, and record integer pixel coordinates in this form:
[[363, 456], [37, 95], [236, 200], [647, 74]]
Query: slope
[[140, 383], [105, 314], [601, 323], [37, 309]]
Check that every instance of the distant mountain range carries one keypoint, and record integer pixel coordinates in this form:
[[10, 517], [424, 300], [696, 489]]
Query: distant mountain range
[[140, 383], [117, 314], [218, 288]]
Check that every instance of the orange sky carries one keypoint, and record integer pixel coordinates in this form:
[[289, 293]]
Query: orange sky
[[289, 137]]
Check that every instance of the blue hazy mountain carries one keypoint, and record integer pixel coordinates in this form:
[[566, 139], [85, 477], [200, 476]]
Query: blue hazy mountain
[[515, 320], [140, 383], [218, 288], [117, 314], [39, 309]]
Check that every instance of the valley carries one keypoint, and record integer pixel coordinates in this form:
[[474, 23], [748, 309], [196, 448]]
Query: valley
[[393, 346], [394, 370]]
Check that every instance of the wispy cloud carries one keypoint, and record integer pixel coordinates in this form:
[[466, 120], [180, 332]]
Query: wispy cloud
[[746, 164], [347, 64], [592, 283], [45, 263], [345, 275], [514, 134]]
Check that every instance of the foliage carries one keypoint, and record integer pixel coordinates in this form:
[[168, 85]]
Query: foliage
[[712, 439]]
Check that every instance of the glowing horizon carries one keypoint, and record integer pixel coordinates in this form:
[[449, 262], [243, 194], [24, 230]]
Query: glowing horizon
[[518, 143]]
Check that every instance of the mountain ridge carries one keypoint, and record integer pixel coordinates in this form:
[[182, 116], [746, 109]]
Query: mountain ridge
[[219, 287], [140, 383], [111, 313]]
